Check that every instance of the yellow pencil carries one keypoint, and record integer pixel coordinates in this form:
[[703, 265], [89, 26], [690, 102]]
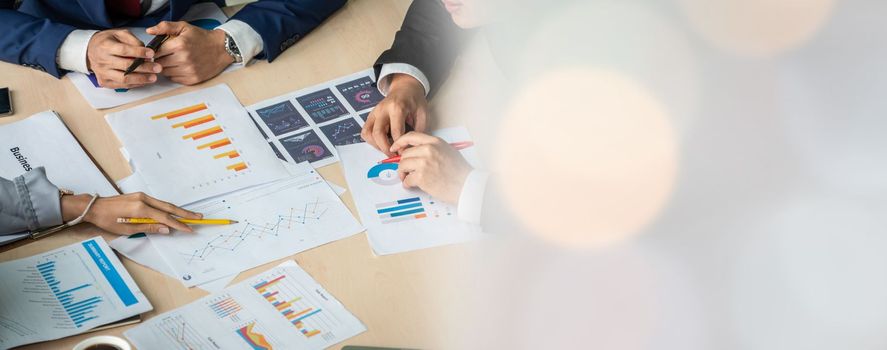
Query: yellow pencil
[[184, 221]]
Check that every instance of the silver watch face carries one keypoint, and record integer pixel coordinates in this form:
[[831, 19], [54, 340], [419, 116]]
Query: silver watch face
[[232, 49]]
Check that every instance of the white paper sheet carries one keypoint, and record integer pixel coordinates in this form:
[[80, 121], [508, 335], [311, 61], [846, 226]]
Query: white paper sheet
[[307, 124], [44, 140], [64, 292], [194, 146], [275, 221], [283, 308], [138, 248], [206, 15], [397, 219]]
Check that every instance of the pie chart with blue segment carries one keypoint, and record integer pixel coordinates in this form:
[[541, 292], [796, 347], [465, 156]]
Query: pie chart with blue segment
[[384, 174]]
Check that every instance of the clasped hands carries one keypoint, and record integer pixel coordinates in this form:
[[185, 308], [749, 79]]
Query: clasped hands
[[191, 55]]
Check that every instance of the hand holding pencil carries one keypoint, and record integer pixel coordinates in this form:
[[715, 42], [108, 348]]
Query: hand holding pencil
[[105, 212], [431, 164]]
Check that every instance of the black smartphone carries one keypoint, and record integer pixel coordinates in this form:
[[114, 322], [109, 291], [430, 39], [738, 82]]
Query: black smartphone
[[5, 102]]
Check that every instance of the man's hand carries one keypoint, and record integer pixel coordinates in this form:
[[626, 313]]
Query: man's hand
[[193, 55], [405, 104], [110, 52], [432, 165]]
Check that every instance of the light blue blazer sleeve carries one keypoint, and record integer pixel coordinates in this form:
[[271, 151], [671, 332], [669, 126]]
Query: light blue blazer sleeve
[[28, 202]]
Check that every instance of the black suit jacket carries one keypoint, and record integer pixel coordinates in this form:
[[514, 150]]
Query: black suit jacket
[[429, 40]]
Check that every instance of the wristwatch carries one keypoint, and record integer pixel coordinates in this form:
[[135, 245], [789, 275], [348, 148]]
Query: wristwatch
[[232, 49]]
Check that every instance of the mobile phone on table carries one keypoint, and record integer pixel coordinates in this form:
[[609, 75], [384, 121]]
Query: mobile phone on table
[[5, 102]]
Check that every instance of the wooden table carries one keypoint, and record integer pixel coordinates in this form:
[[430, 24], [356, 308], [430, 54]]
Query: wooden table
[[397, 297]]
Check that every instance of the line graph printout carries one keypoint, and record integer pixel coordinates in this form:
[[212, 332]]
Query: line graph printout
[[64, 292], [276, 220], [283, 308], [194, 146], [398, 219]]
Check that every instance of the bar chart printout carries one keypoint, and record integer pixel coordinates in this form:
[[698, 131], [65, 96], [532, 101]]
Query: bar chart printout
[[400, 219], [65, 292], [202, 144], [283, 308]]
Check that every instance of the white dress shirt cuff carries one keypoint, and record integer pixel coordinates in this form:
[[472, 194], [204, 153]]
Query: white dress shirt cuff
[[247, 39], [72, 53], [388, 69], [471, 200]]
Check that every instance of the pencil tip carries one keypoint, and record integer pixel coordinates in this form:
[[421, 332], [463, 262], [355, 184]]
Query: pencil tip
[[234, 221]]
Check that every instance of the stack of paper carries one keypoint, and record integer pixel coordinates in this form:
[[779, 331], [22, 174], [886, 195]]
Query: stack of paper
[[64, 292], [283, 308], [205, 154], [43, 140], [306, 125]]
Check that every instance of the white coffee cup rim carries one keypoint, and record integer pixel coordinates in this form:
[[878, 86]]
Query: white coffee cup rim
[[103, 339]]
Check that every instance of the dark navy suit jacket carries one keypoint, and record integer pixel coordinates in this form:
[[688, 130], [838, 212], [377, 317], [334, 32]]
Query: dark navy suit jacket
[[31, 34]]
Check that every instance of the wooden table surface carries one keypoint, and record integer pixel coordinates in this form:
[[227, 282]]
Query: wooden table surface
[[400, 298]]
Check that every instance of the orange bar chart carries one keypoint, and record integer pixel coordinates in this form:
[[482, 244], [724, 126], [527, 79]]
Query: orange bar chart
[[195, 122], [229, 154], [237, 167], [215, 144], [180, 112], [204, 133]]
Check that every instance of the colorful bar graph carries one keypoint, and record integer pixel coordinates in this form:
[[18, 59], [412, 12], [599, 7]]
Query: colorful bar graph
[[78, 311], [195, 122], [264, 285], [237, 167], [401, 210], [286, 308], [204, 133], [180, 112], [225, 307], [215, 144], [229, 154]]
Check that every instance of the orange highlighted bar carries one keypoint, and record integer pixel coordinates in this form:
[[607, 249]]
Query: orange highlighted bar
[[238, 167], [421, 216], [229, 154], [201, 134], [283, 306], [215, 144], [312, 333], [303, 312], [180, 112], [195, 122]]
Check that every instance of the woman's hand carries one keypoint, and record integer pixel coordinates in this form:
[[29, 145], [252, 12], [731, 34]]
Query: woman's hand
[[432, 165], [105, 211]]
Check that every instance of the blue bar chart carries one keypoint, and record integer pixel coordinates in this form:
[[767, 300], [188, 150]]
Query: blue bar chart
[[79, 308], [401, 210]]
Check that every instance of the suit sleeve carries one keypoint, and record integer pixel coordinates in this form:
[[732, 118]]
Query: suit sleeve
[[428, 40], [30, 41], [281, 23]]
